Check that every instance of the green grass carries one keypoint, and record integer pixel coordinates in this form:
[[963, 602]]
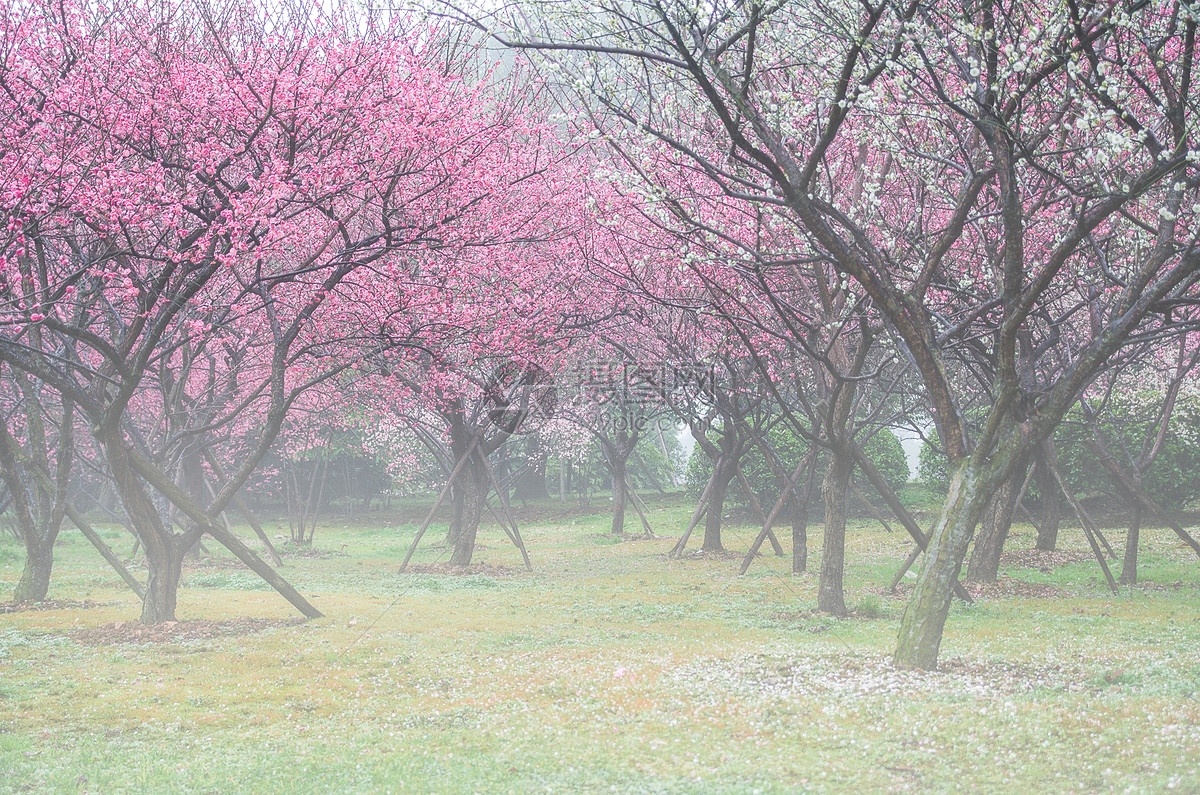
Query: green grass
[[606, 668]]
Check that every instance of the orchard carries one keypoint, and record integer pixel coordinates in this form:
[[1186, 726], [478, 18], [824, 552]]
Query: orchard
[[453, 326]]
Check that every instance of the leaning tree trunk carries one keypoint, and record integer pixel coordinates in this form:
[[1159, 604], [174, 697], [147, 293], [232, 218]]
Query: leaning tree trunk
[[830, 595], [723, 474], [984, 565], [1047, 537], [971, 484]]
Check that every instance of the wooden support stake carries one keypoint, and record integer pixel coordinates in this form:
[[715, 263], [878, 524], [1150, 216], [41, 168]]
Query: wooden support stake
[[897, 508], [752, 498], [874, 511], [1139, 492], [681, 544], [244, 509], [1021, 499], [1085, 519], [262, 569], [105, 551], [1086, 522], [639, 506], [438, 503], [515, 535], [784, 495], [908, 562]]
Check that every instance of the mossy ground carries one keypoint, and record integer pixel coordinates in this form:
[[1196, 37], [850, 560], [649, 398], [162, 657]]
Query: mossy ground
[[606, 668]]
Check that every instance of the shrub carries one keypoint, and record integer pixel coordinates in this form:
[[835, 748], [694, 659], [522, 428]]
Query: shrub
[[1173, 480], [886, 452], [869, 607], [931, 467], [883, 448]]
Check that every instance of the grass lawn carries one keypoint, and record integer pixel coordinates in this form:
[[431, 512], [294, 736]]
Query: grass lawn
[[608, 668]]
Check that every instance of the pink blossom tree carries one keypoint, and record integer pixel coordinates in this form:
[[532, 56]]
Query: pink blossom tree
[[207, 216]]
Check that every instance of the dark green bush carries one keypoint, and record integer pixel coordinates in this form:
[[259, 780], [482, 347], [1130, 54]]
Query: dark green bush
[[931, 467], [883, 448], [1173, 480], [886, 452], [1128, 422]]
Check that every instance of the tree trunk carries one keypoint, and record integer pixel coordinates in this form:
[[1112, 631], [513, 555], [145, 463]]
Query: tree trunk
[[800, 501], [1129, 564], [456, 513], [163, 559], [39, 546], [830, 596], [35, 579], [984, 565], [1047, 537], [190, 478], [313, 502], [617, 467], [291, 496], [165, 564], [723, 474], [128, 469], [37, 535], [799, 539], [925, 615], [471, 492]]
